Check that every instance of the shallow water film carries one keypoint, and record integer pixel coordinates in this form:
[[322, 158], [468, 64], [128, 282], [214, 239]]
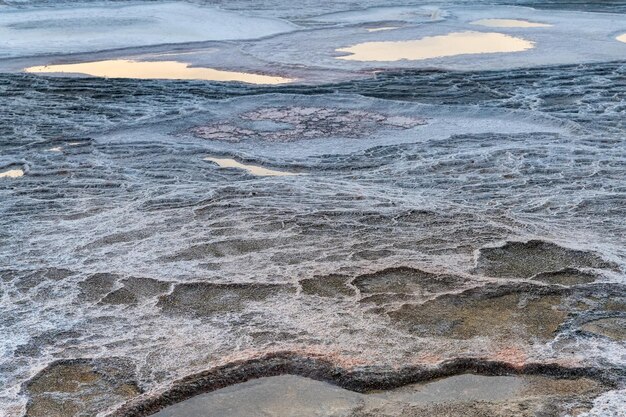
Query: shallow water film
[[272, 208]]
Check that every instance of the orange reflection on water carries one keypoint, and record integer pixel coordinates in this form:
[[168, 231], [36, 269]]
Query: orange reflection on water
[[458, 43], [123, 68], [252, 169], [12, 173]]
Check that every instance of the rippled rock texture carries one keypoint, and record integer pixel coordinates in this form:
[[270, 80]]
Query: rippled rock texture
[[446, 230]]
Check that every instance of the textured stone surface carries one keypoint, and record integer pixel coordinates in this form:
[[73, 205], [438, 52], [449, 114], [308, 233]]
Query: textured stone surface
[[285, 124], [80, 388], [520, 315], [525, 259], [613, 328], [204, 299]]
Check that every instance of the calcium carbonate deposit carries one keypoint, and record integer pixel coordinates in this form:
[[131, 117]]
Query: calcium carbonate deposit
[[390, 210]]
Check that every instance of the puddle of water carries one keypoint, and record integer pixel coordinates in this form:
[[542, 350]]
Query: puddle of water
[[12, 173], [279, 396], [252, 169], [383, 28], [55, 149], [458, 43], [459, 388], [509, 23], [290, 395], [170, 70], [622, 38]]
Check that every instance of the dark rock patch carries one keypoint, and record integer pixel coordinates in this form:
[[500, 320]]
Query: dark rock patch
[[372, 255], [80, 387], [120, 296], [97, 286], [26, 280], [514, 313], [121, 237], [404, 280], [136, 289], [526, 259], [613, 328], [328, 286], [220, 249], [205, 299], [47, 338], [386, 299], [272, 337], [568, 276], [57, 274]]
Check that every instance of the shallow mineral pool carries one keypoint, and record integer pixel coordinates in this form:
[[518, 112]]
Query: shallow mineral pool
[[252, 169], [124, 68], [291, 395], [457, 43], [12, 173]]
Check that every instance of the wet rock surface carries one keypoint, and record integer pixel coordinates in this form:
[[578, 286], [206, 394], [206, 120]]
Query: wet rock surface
[[135, 290], [525, 259], [522, 314], [568, 276], [97, 285], [220, 249], [328, 286], [80, 387], [408, 281], [613, 328], [204, 299]]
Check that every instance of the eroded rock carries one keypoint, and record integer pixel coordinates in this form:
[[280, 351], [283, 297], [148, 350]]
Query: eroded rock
[[403, 285], [26, 280], [404, 280], [220, 249], [613, 328], [286, 124], [47, 338], [80, 387], [568, 276], [205, 299], [328, 286], [526, 259], [130, 236], [134, 290], [503, 314], [57, 274], [97, 286]]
